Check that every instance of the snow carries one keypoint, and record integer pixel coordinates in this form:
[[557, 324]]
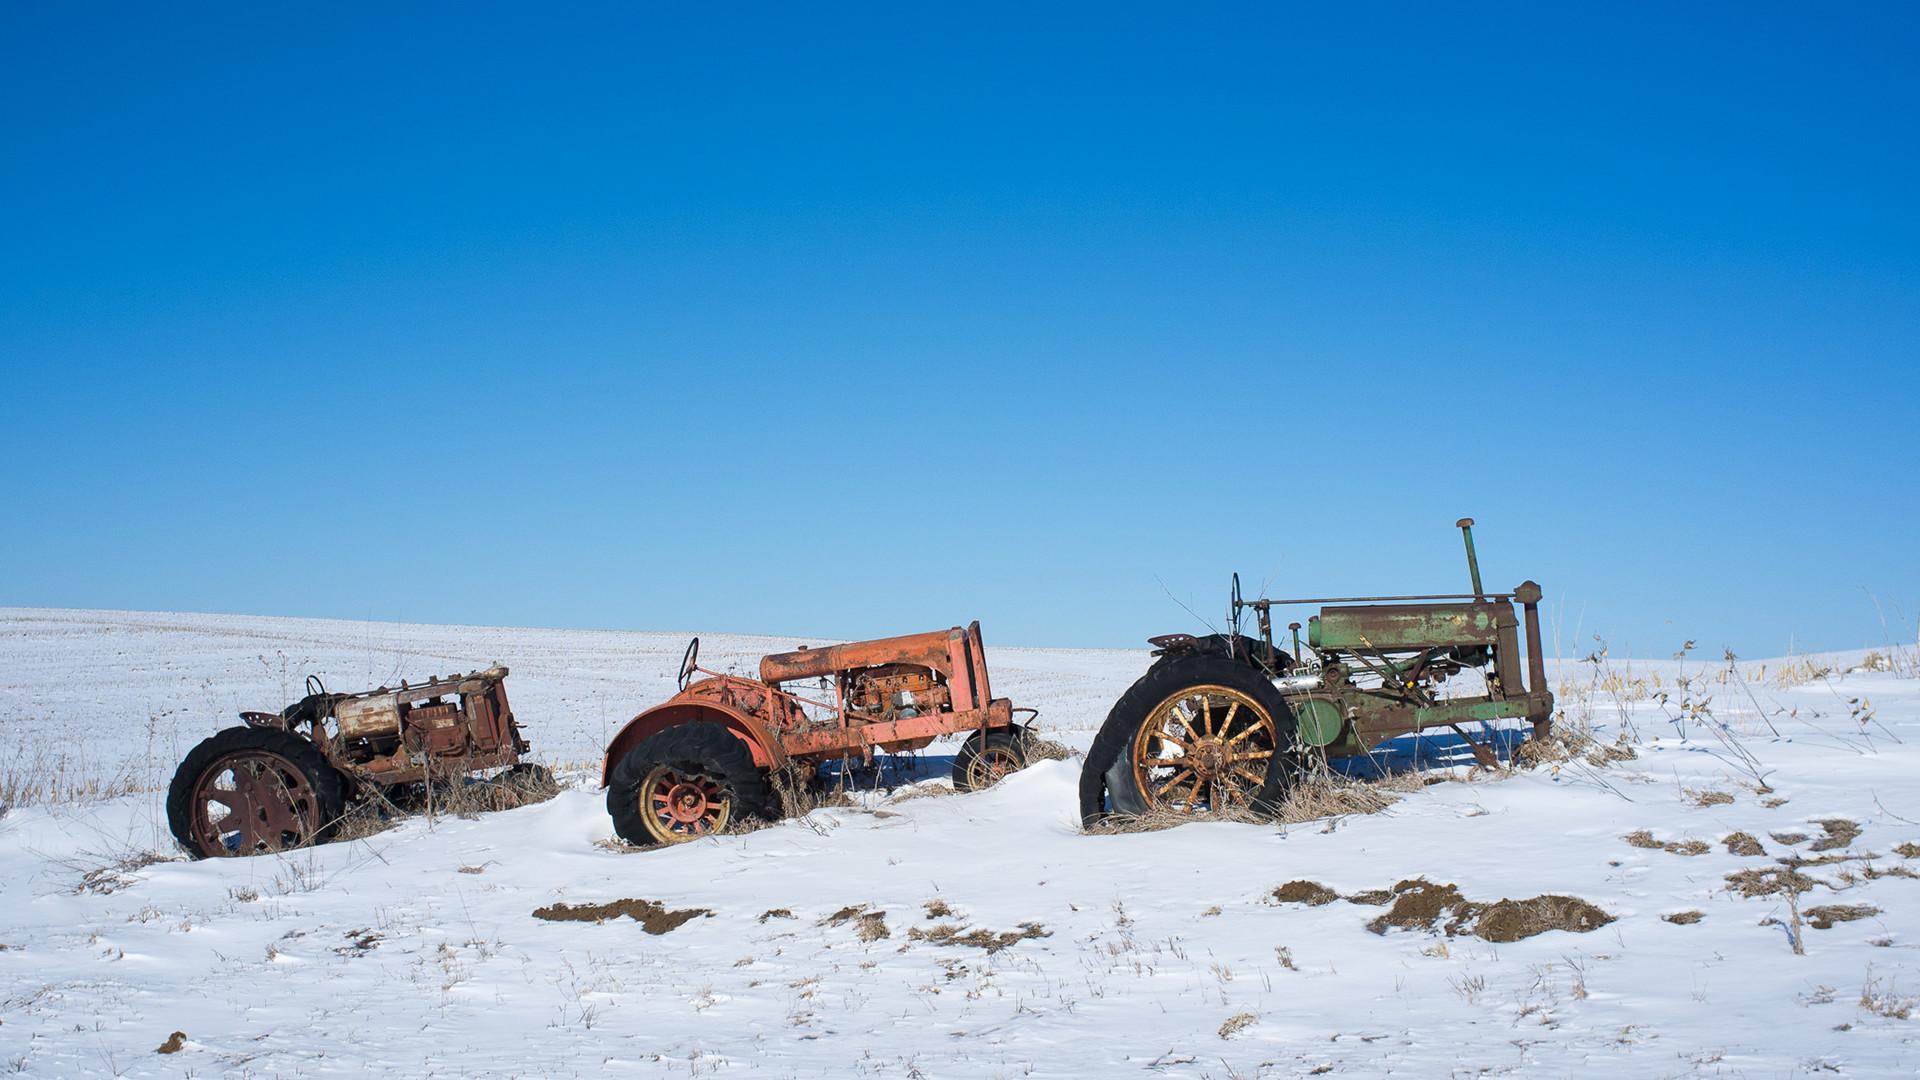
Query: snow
[[414, 952]]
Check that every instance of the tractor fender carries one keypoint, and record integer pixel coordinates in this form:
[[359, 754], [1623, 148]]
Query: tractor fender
[[767, 751]]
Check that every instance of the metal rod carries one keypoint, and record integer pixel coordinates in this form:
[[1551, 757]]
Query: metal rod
[[1374, 599]]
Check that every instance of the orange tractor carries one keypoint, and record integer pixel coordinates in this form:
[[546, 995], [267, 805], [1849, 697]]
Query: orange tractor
[[705, 757]]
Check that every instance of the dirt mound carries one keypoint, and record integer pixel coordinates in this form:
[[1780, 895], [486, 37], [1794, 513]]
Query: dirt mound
[[1512, 920], [1419, 904], [653, 917], [1744, 844], [1310, 893]]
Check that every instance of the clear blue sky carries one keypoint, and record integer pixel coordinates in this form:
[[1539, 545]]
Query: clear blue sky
[[842, 321]]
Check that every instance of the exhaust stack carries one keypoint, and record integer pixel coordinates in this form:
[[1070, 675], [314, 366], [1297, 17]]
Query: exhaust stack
[[1465, 525]]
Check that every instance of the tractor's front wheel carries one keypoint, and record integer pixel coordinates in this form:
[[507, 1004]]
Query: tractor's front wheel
[[684, 783]]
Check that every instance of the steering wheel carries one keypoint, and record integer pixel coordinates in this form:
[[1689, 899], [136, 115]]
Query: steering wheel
[[689, 661]]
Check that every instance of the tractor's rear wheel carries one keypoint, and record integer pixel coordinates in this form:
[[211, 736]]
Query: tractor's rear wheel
[[683, 783], [248, 791], [1195, 734], [984, 762]]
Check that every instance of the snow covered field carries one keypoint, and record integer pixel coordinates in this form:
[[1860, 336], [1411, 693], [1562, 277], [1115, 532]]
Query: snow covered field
[[415, 952]]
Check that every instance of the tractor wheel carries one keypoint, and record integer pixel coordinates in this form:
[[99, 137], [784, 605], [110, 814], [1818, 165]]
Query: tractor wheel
[[1195, 734], [247, 791], [982, 763], [683, 783]]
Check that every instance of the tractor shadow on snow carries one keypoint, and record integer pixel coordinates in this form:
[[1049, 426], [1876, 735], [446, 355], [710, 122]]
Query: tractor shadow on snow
[[1426, 750]]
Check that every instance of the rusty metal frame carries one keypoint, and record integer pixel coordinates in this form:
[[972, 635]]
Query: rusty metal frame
[[773, 722]]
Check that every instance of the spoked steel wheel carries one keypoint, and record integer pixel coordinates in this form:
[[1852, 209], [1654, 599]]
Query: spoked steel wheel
[[987, 758], [1203, 748], [676, 804], [683, 783], [249, 791]]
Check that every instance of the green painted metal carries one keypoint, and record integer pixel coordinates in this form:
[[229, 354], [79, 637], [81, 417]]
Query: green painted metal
[[1459, 712], [1406, 626], [1319, 721]]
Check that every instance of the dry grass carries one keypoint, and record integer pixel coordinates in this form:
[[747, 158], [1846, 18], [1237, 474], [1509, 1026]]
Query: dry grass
[[1039, 749], [1824, 916], [1839, 833], [978, 938], [1769, 881], [1885, 1000], [1641, 838], [868, 925], [1235, 1024], [59, 779]]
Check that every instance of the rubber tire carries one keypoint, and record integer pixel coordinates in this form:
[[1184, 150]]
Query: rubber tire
[[329, 788], [700, 746], [1008, 738], [1106, 779]]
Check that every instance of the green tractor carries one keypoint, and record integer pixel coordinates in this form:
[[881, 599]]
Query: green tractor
[[1228, 720]]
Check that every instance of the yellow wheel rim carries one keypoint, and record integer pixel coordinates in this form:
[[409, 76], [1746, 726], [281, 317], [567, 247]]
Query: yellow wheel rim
[[1203, 748], [678, 805]]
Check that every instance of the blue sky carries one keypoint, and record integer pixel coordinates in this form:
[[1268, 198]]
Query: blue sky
[[843, 321]]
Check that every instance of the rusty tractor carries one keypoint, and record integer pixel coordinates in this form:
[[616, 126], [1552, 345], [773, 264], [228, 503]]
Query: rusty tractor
[[1229, 720], [283, 780], [708, 755]]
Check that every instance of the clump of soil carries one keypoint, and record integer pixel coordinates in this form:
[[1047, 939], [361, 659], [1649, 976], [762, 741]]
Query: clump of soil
[[1824, 916], [951, 934], [174, 1044], [1419, 904], [1744, 844], [1310, 893], [1769, 881], [775, 913], [1641, 838], [1682, 918], [1840, 832], [653, 917], [1512, 920]]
